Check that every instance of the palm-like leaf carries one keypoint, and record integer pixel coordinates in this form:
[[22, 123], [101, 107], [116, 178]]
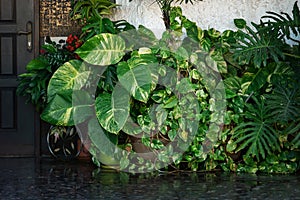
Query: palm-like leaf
[[267, 40], [257, 135], [284, 103], [283, 23], [293, 130], [86, 9], [257, 47]]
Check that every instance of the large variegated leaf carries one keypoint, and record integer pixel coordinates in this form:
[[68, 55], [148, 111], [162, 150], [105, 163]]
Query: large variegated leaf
[[139, 75], [102, 140], [61, 110], [112, 110], [72, 75], [103, 49], [131, 128]]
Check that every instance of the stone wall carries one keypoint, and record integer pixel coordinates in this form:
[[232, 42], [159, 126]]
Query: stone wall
[[218, 14]]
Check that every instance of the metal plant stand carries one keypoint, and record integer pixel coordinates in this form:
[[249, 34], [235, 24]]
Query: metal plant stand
[[64, 142]]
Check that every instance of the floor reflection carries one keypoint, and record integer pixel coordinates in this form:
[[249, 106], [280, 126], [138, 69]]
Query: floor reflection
[[52, 179]]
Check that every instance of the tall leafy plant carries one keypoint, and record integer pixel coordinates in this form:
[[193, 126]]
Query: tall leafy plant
[[269, 87], [165, 7]]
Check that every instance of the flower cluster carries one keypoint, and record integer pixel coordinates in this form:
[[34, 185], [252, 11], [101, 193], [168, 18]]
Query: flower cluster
[[73, 42]]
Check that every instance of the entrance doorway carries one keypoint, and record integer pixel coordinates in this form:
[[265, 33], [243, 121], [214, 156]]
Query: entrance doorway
[[18, 42]]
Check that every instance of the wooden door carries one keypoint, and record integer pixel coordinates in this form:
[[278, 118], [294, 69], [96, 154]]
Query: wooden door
[[17, 47]]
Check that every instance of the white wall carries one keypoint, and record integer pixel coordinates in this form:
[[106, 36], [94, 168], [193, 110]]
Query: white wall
[[218, 14]]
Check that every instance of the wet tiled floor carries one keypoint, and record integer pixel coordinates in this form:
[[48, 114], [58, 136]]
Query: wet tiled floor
[[51, 179]]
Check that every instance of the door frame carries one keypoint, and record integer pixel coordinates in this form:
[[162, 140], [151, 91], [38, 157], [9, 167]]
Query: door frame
[[36, 50]]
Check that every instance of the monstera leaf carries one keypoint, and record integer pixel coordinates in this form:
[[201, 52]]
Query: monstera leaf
[[112, 110], [73, 75], [257, 135], [139, 75], [103, 49], [253, 81]]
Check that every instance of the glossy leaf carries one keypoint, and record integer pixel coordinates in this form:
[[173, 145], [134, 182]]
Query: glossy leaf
[[256, 135], [139, 75], [103, 49], [73, 75], [112, 110], [62, 112]]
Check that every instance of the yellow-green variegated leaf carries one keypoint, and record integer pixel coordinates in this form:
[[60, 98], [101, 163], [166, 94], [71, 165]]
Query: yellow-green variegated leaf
[[139, 75], [103, 49], [72, 75], [112, 110], [61, 110]]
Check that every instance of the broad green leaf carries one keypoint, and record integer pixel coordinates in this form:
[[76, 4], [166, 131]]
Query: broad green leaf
[[170, 102], [61, 110], [172, 133], [103, 49], [139, 75], [103, 141], [70, 76], [252, 82], [37, 64], [112, 110], [131, 128], [256, 135]]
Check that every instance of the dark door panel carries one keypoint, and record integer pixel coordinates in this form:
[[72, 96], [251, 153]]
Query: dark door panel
[[17, 119]]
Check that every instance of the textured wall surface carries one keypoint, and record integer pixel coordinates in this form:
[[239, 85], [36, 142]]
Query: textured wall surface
[[218, 14]]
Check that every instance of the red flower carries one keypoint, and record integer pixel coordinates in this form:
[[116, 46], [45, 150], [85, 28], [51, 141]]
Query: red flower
[[73, 43], [42, 51]]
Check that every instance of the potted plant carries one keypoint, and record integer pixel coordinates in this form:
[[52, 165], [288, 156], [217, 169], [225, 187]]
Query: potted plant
[[33, 85], [170, 95]]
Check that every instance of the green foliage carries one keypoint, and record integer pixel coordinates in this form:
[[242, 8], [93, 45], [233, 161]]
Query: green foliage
[[284, 103], [33, 83], [169, 95], [286, 26], [87, 9], [256, 134], [268, 39]]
